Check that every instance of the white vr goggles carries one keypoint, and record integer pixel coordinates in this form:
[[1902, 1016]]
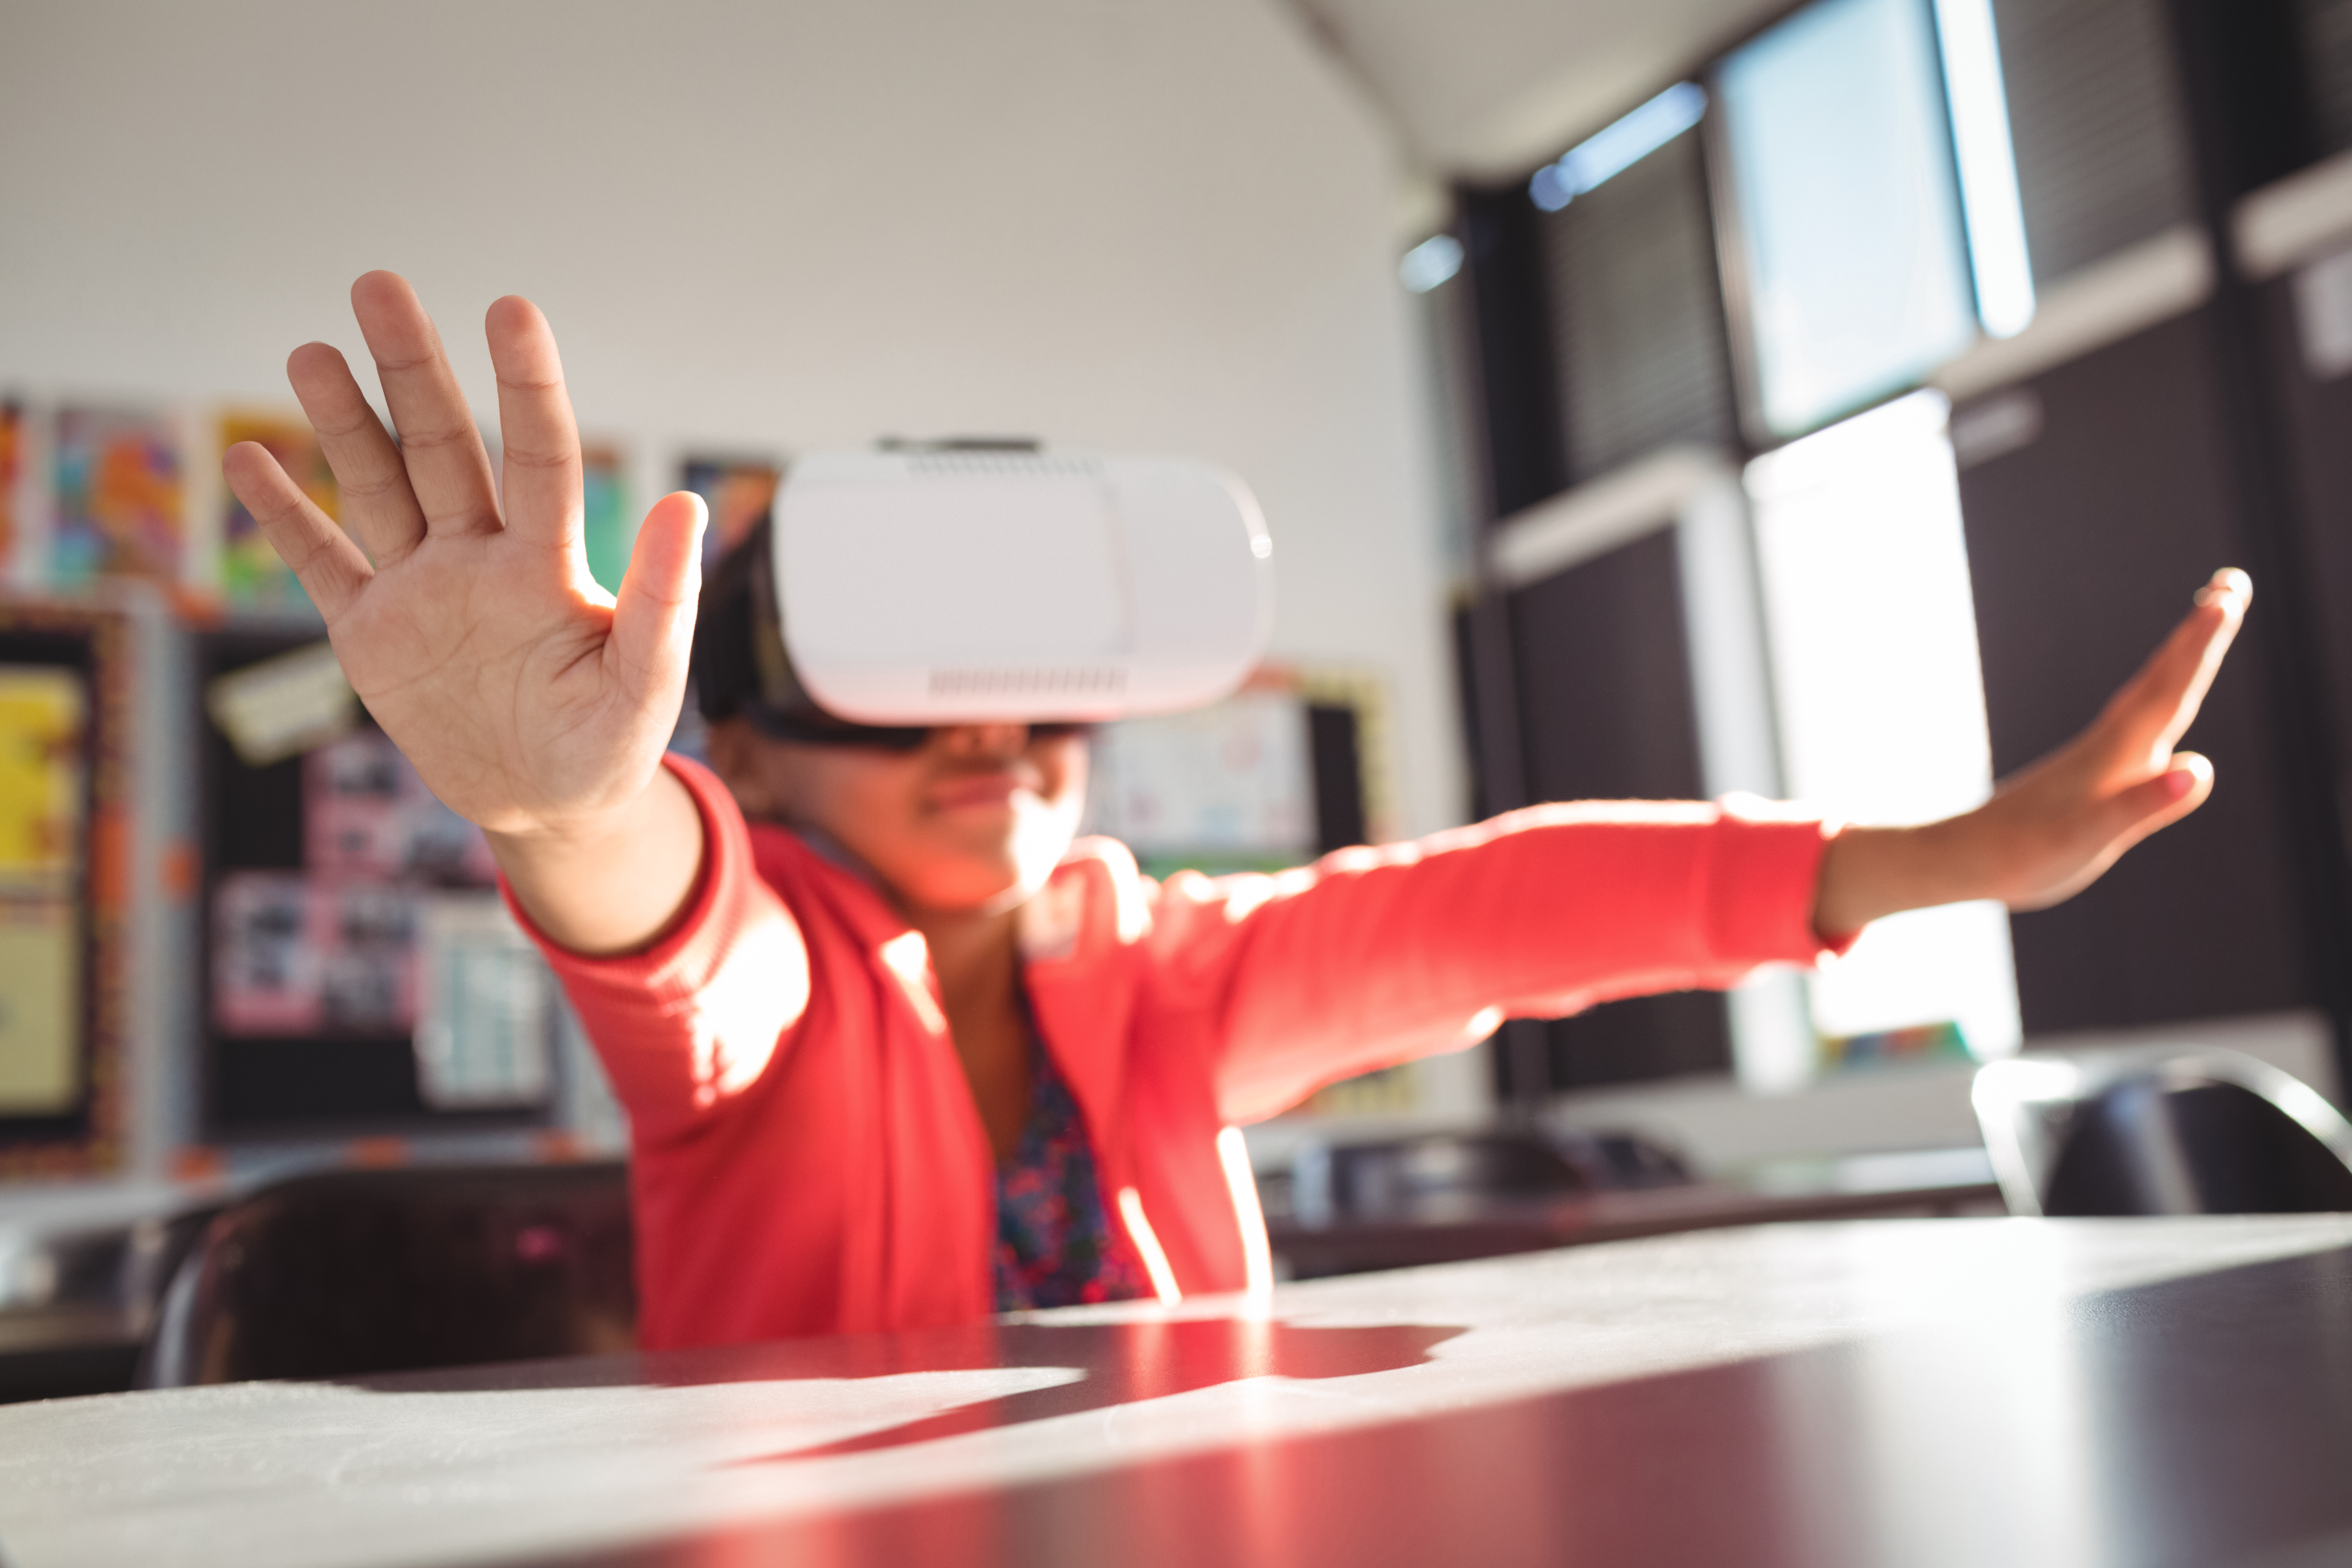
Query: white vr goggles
[[964, 582]]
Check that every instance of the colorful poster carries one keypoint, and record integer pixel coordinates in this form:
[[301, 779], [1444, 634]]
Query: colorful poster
[[367, 815], [611, 531], [740, 495], [296, 955], [44, 728], [120, 507], [11, 469], [44, 716], [251, 573], [1228, 787]]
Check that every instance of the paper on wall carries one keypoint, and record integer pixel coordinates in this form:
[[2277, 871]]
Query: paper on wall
[[1236, 777], [40, 1006], [13, 432], [607, 531], [43, 716], [485, 1007], [250, 570], [121, 508], [293, 954], [366, 814], [283, 706], [740, 494]]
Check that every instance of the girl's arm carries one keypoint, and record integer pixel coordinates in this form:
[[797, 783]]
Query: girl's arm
[[1375, 957]]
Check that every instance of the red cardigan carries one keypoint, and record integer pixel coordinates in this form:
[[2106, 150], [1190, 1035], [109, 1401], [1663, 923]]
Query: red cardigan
[[808, 1160]]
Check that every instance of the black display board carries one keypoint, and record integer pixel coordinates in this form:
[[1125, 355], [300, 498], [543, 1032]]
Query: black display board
[[1607, 713], [1333, 739], [339, 1082]]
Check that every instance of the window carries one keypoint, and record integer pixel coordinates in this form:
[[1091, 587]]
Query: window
[[1872, 625], [1851, 247]]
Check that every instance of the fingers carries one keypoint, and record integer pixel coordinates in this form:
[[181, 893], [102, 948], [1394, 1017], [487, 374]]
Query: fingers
[[2181, 788], [542, 443], [2229, 580], [447, 468], [374, 483], [652, 620], [2078, 854], [2156, 707], [329, 565]]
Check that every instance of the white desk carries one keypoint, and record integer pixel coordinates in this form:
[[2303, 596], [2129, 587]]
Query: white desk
[[1966, 1391]]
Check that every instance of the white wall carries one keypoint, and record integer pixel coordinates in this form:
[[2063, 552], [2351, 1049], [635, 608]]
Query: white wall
[[766, 226]]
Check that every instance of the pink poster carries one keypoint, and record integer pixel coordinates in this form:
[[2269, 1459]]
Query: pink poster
[[366, 814], [294, 955], [12, 467]]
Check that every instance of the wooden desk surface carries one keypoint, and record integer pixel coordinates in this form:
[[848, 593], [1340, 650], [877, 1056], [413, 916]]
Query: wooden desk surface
[[1916, 1393]]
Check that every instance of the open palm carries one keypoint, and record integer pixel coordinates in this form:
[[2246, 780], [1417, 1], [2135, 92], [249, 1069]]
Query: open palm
[[527, 698]]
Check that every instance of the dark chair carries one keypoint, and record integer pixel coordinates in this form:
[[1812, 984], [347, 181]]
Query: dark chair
[[2160, 1130], [351, 1272]]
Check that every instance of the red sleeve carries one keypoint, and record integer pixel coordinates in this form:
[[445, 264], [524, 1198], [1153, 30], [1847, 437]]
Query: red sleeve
[[1375, 957], [697, 1017]]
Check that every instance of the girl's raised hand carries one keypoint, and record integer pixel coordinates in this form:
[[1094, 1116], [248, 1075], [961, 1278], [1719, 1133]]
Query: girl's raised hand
[[530, 701], [2049, 832]]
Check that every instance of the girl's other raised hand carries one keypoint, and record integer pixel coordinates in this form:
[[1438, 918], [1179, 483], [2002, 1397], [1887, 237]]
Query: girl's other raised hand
[[2049, 832]]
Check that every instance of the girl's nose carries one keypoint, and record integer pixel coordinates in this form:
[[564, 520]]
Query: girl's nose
[[985, 740]]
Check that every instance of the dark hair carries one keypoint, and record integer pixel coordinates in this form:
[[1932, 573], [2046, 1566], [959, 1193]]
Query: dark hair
[[740, 669]]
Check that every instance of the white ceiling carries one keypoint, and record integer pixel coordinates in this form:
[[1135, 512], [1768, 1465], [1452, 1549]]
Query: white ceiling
[[1487, 88]]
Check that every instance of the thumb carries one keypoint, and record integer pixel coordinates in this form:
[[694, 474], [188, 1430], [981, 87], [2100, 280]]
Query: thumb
[[652, 616], [2132, 815]]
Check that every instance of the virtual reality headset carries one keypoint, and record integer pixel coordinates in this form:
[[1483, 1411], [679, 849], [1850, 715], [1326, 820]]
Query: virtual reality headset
[[897, 589]]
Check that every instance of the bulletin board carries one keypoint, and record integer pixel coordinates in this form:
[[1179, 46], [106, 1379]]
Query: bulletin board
[[359, 975], [1287, 768], [64, 721]]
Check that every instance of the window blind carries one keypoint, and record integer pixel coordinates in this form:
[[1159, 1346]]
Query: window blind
[[2102, 162], [1636, 316]]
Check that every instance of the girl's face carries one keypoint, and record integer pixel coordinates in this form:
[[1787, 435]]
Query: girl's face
[[975, 819]]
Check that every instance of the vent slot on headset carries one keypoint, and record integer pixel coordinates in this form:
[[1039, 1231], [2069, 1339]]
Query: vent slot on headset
[[1107, 680]]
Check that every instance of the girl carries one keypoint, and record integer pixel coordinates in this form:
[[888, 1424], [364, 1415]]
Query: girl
[[896, 1050]]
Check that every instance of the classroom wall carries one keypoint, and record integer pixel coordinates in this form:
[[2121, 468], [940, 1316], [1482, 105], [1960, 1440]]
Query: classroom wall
[[763, 228]]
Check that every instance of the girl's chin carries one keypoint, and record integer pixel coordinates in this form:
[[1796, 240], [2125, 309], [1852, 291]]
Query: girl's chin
[[989, 886], [993, 871]]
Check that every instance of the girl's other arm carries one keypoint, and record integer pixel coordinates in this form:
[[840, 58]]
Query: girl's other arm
[[1377, 956]]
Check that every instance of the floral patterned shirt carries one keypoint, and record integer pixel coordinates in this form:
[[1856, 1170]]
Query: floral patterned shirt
[[1055, 1243]]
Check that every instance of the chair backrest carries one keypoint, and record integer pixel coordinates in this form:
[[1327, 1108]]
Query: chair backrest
[[2160, 1130], [352, 1272]]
